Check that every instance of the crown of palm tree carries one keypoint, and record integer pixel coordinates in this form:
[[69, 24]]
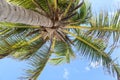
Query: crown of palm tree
[[65, 33]]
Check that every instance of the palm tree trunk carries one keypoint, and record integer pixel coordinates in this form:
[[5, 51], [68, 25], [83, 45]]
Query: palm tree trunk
[[15, 14]]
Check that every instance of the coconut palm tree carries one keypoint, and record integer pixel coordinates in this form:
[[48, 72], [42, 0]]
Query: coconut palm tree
[[35, 30]]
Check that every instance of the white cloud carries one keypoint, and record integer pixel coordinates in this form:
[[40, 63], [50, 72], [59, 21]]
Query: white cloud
[[93, 65], [87, 68], [66, 74]]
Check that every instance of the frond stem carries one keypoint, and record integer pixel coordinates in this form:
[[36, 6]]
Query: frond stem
[[67, 9], [82, 40], [77, 7], [34, 39], [92, 28], [55, 4]]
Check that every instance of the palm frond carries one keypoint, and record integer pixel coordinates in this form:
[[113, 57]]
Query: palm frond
[[94, 49], [38, 62], [7, 41], [39, 6], [57, 60], [78, 5], [43, 4], [82, 16], [106, 26], [24, 3], [15, 25], [12, 43], [28, 50], [117, 68], [55, 4], [68, 8], [62, 53]]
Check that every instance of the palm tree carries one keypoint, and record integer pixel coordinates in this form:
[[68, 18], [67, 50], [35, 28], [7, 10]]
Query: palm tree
[[35, 30]]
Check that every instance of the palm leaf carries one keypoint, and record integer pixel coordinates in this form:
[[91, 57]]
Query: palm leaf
[[57, 60], [7, 42], [68, 8], [82, 16], [62, 53], [94, 49], [15, 25], [55, 4], [28, 50], [12, 44], [105, 26], [24, 3], [39, 6], [38, 61]]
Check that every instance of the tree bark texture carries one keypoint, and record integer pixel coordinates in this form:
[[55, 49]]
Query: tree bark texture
[[15, 14]]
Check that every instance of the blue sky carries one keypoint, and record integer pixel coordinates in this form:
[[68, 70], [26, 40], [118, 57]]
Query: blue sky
[[78, 69]]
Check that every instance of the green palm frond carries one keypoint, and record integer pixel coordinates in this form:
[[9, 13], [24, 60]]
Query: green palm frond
[[38, 62], [28, 50], [82, 16], [88, 45], [13, 42], [63, 53], [40, 6], [57, 60], [15, 25], [62, 4], [68, 7], [106, 26], [94, 50], [24, 3], [6, 41], [55, 4], [44, 4], [117, 68]]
